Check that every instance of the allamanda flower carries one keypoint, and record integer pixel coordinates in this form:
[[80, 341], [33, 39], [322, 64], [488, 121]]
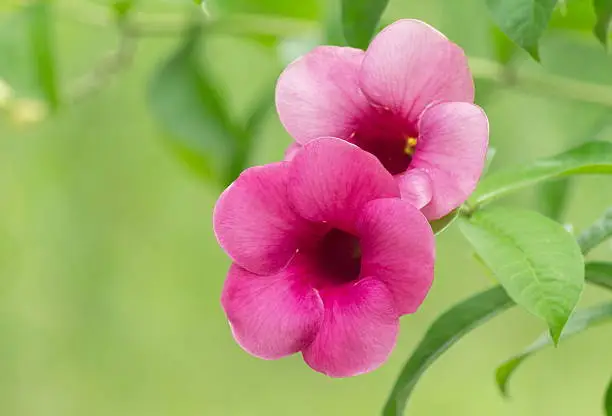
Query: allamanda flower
[[326, 258], [407, 100]]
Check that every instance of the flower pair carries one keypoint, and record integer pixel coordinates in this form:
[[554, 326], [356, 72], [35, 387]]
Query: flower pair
[[332, 246]]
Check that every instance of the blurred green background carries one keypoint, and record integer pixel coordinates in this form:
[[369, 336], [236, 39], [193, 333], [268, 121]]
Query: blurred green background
[[110, 274]]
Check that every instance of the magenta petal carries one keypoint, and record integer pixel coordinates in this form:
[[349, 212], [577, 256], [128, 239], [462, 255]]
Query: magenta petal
[[410, 64], [415, 187], [358, 332], [398, 247], [452, 150], [271, 316], [318, 95], [330, 181], [254, 223]]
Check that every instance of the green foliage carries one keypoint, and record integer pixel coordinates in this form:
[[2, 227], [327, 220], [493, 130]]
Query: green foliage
[[40, 20], [505, 49], [599, 274], [596, 233], [608, 400], [446, 330], [308, 9], [603, 10], [523, 21], [360, 19], [122, 8], [590, 158], [580, 321], [552, 198], [439, 225], [534, 258], [184, 100]]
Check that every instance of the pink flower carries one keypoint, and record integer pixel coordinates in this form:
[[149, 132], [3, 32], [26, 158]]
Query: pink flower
[[326, 258], [407, 100]]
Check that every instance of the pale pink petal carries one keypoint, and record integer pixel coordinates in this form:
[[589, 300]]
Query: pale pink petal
[[410, 64], [330, 181], [358, 332], [415, 187], [398, 247], [452, 149], [292, 150], [254, 223], [318, 95], [271, 316]]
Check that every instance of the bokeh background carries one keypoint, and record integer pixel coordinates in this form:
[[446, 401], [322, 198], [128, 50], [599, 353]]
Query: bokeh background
[[110, 274]]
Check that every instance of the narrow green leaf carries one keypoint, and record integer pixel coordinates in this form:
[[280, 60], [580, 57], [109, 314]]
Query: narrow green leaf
[[183, 99], [534, 258], [439, 225], [590, 158], [306, 9], [597, 233], [579, 322], [122, 8], [552, 198], [334, 31], [599, 274], [360, 19], [603, 10], [608, 400], [523, 21], [505, 49], [40, 19], [446, 330]]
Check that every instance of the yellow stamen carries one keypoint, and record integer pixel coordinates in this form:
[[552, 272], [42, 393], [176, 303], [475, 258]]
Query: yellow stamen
[[411, 142]]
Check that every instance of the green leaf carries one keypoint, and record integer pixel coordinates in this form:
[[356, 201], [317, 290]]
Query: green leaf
[[597, 233], [552, 198], [184, 101], [523, 21], [39, 17], [505, 49], [534, 258], [122, 8], [306, 9], [608, 400], [590, 158], [439, 225], [599, 274], [462, 318], [580, 321], [603, 10], [360, 19], [446, 330]]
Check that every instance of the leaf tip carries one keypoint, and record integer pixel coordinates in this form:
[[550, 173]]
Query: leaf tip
[[534, 51]]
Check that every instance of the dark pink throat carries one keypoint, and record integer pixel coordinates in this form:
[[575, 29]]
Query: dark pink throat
[[388, 137], [338, 257]]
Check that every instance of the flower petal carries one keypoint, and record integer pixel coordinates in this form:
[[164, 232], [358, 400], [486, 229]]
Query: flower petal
[[318, 95], [358, 332], [271, 316], [410, 64], [292, 150], [452, 150], [415, 187], [330, 180], [254, 223], [398, 247]]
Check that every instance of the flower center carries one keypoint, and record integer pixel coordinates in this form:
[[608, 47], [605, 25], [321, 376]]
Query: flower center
[[389, 137], [339, 257]]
